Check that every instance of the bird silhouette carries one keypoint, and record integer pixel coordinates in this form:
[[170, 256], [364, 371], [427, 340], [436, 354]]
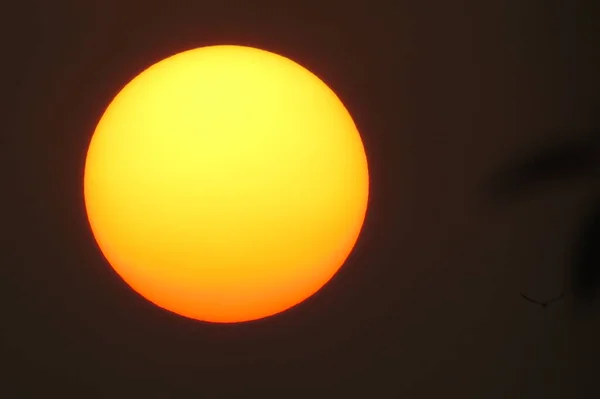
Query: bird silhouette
[[545, 303]]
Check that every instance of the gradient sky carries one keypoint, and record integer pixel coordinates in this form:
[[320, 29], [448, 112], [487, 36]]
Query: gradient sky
[[428, 306]]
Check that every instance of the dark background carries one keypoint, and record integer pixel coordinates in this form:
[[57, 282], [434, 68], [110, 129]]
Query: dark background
[[428, 306]]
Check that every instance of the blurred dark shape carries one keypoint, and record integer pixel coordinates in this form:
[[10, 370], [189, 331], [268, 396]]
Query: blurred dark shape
[[585, 277], [550, 165], [560, 163], [545, 303]]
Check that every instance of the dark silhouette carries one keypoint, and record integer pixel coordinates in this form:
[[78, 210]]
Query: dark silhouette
[[546, 303], [555, 164], [546, 166], [586, 271]]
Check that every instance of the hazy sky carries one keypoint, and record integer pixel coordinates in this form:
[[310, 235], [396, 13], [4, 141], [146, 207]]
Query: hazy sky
[[428, 306]]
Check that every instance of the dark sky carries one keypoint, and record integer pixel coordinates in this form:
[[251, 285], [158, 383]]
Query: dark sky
[[428, 306]]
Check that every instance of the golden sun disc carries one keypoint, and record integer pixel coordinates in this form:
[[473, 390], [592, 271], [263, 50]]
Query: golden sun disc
[[226, 183]]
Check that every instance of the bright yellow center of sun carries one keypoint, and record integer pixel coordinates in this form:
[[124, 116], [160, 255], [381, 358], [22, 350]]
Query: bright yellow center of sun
[[226, 184]]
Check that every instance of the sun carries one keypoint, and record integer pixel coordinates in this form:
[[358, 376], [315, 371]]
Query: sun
[[226, 184]]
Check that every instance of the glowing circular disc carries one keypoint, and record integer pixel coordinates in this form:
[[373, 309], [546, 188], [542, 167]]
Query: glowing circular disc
[[226, 184]]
